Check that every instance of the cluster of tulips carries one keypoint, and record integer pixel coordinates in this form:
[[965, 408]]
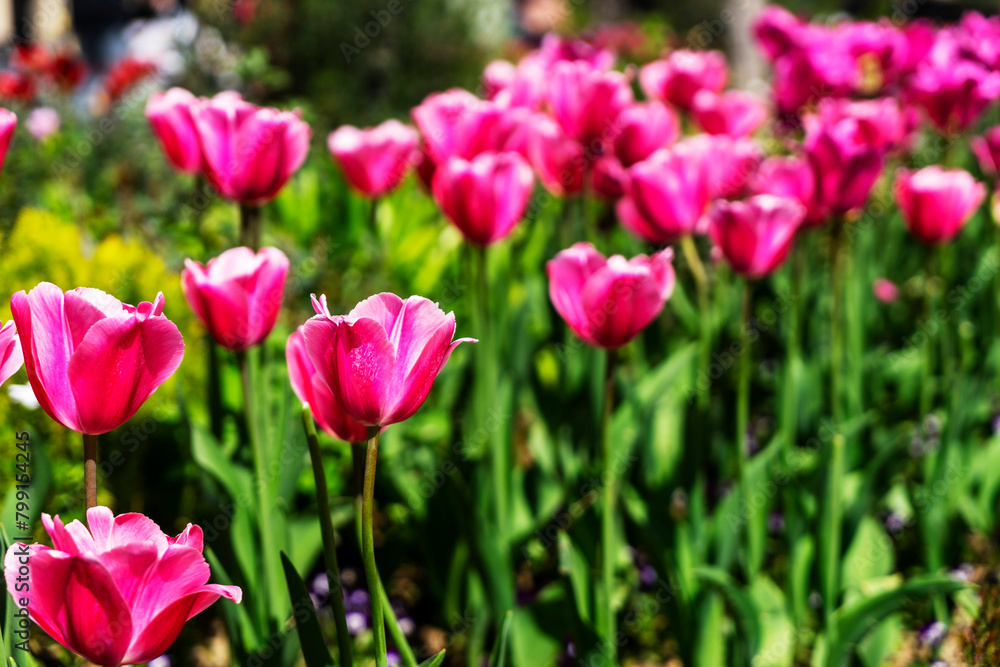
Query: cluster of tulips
[[850, 99]]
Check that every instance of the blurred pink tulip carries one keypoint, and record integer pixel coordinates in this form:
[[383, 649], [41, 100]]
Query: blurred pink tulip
[[729, 162], [249, 152], [237, 296], [845, 163], [513, 86], [555, 49], [586, 101], [776, 31], [558, 159], [667, 193], [885, 290], [11, 357], [118, 593], [987, 150], [311, 390], [609, 301], [735, 112], [169, 115], [880, 51], [92, 360], [755, 235], [440, 118], [374, 160], [381, 359], [485, 197], [8, 121], [608, 177], [643, 128], [42, 123], [677, 78], [882, 123], [954, 94], [936, 203], [790, 177]]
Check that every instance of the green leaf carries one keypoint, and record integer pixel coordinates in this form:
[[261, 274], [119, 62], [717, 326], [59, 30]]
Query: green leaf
[[314, 648], [743, 605], [435, 661], [499, 657], [210, 457]]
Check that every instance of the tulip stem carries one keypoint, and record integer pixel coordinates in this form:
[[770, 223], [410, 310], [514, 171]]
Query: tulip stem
[[608, 510], [90, 469], [373, 216], [250, 226], [742, 427], [705, 334], [329, 539], [927, 380], [368, 547], [836, 321], [833, 512]]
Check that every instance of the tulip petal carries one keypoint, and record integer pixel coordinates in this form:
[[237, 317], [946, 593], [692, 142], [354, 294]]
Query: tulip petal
[[49, 573], [363, 361], [180, 571], [98, 622]]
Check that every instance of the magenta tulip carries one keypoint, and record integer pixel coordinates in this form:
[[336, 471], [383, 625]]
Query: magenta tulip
[[608, 177], [441, 118], [987, 150], [844, 160], [169, 114], [92, 360], [118, 593], [559, 160], [608, 301], [249, 152], [11, 357], [954, 94], [381, 359], [315, 393], [237, 295], [735, 112], [881, 123], [678, 77], [666, 194], [374, 160], [586, 101], [777, 31], [755, 235], [517, 86], [486, 197], [555, 49], [936, 203], [790, 177], [8, 121], [729, 162], [642, 129]]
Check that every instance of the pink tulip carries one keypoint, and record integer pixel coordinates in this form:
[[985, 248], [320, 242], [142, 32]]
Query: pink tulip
[[608, 177], [755, 235], [735, 112], [609, 301], [586, 101], [92, 360], [374, 160], [11, 357], [844, 160], [987, 150], [954, 94], [642, 129], [885, 290], [822, 69], [682, 74], [790, 177], [117, 594], [936, 203], [237, 296], [667, 194], [555, 49], [249, 152], [169, 114], [729, 162], [312, 391], [484, 198], [511, 86], [441, 117], [777, 31], [381, 359], [8, 121], [882, 123], [880, 51], [559, 160]]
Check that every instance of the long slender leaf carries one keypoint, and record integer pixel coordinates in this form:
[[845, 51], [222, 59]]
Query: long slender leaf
[[314, 648]]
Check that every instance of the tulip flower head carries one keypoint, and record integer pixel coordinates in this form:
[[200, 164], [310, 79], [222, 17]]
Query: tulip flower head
[[791, 177], [311, 390], [586, 101], [609, 301], [169, 114], [441, 119], [987, 150], [642, 129], [936, 203], [845, 162], [374, 160], [381, 359], [678, 78], [249, 152], [118, 593], [735, 112], [11, 357], [954, 94], [755, 235], [92, 360], [559, 160], [486, 197], [8, 121], [237, 295]]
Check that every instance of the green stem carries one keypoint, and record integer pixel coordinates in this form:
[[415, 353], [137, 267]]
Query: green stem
[[373, 216], [927, 370], [329, 539], [271, 566], [705, 333], [250, 226], [90, 469], [368, 547], [832, 529], [214, 389], [794, 345], [837, 324], [608, 511], [742, 424]]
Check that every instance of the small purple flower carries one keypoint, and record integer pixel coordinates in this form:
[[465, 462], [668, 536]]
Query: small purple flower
[[894, 524], [357, 622], [775, 522], [933, 634]]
